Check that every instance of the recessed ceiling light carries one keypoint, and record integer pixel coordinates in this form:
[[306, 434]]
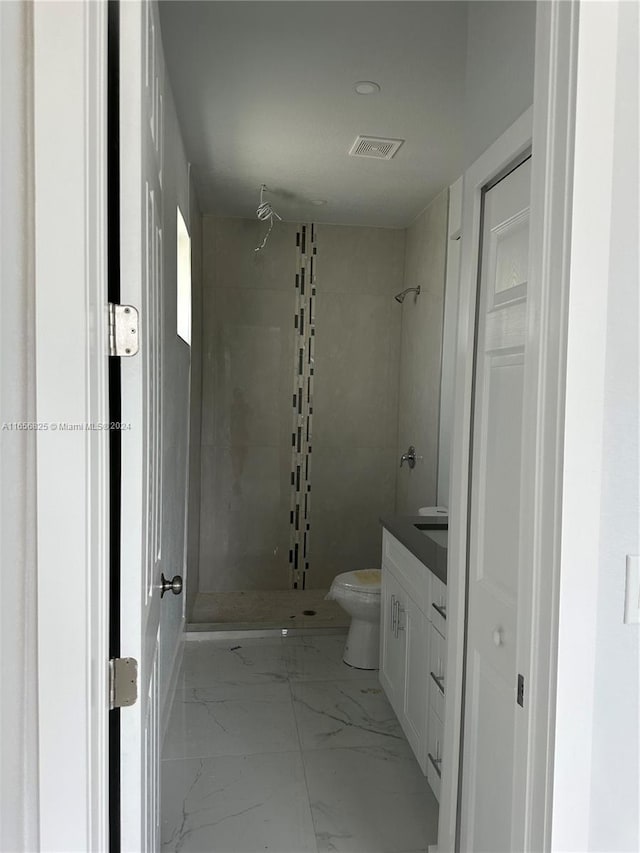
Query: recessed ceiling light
[[366, 87]]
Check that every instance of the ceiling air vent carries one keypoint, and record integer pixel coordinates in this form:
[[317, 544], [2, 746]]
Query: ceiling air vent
[[375, 147]]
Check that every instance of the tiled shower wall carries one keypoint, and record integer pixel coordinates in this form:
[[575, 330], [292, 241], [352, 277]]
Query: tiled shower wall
[[356, 396], [421, 356], [247, 381], [247, 378]]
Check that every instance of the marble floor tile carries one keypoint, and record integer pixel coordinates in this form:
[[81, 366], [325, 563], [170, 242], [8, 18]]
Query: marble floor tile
[[370, 800], [344, 713], [319, 659], [231, 720], [215, 663], [235, 779], [236, 804]]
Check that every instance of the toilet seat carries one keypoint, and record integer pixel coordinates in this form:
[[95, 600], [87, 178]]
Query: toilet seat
[[368, 581]]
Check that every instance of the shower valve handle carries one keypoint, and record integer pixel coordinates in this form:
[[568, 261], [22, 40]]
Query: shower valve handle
[[409, 457]]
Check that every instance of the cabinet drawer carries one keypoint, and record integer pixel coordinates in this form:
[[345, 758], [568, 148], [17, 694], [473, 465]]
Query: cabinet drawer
[[437, 671], [412, 574], [435, 733], [438, 605]]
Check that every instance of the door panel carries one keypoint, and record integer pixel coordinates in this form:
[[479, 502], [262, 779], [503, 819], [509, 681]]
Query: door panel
[[494, 583], [498, 474], [141, 115], [490, 789]]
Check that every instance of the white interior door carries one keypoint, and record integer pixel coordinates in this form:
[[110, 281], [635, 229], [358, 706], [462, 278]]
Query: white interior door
[[492, 794], [141, 160]]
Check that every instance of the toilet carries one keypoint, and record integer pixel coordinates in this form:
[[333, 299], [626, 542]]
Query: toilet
[[358, 593]]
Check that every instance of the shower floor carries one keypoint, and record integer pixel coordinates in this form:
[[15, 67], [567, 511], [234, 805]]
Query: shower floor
[[268, 609]]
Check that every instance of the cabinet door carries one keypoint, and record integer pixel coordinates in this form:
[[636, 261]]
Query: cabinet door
[[392, 642], [415, 626]]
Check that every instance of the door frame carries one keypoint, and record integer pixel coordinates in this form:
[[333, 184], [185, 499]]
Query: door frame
[[70, 217], [69, 106], [547, 127]]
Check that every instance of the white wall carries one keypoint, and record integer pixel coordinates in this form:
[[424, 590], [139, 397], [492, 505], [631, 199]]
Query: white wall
[[614, 822], [499, 73], [597, 738], [18, 721]]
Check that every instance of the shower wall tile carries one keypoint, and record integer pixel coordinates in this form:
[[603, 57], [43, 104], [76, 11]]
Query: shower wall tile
[[421, 356], [247, 375], [360, 260], [352, 487], [247, 371], [356, 368], [230, 259], [244, 520], [356, 396], [247, 381]]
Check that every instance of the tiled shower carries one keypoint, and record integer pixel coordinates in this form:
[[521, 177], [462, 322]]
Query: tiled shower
[[302, 345]]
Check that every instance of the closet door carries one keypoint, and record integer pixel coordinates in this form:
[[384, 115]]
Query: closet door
[[494, 721]]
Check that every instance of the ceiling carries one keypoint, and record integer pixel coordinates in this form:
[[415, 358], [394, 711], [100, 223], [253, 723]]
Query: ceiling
[[264, 93]]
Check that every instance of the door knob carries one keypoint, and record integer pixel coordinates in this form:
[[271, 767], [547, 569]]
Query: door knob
[[497, 637], [174, 585]]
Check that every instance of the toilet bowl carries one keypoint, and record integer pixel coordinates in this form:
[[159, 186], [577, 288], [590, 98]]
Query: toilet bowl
[[358, 593]]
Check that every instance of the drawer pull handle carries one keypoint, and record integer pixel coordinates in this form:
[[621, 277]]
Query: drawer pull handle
[[442, 610], [393, 615], [436, 764], [439, 680]]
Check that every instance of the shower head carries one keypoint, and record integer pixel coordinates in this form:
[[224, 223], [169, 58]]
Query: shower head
[[399, 297]]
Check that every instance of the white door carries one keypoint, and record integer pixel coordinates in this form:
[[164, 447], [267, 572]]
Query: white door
[[492, 792], [141, 134]]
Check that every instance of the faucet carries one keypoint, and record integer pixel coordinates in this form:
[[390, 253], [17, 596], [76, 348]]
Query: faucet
[[409, 457]]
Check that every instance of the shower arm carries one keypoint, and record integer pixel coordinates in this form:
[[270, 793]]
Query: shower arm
[[399, 297]]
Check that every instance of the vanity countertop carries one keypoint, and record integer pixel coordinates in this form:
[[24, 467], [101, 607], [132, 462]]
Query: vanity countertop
[[430, 551]]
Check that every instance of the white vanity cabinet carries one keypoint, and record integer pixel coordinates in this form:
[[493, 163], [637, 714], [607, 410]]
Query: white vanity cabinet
[[413, 652]]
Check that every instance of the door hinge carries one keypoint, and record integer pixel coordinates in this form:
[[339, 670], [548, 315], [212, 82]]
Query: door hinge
[[123, 330], [123, 682], [521, 690]]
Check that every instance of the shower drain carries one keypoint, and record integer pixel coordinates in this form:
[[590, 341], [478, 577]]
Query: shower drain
[[304, 613]]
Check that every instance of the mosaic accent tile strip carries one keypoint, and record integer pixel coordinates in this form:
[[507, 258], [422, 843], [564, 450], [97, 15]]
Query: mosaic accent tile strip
[[302, 431]]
